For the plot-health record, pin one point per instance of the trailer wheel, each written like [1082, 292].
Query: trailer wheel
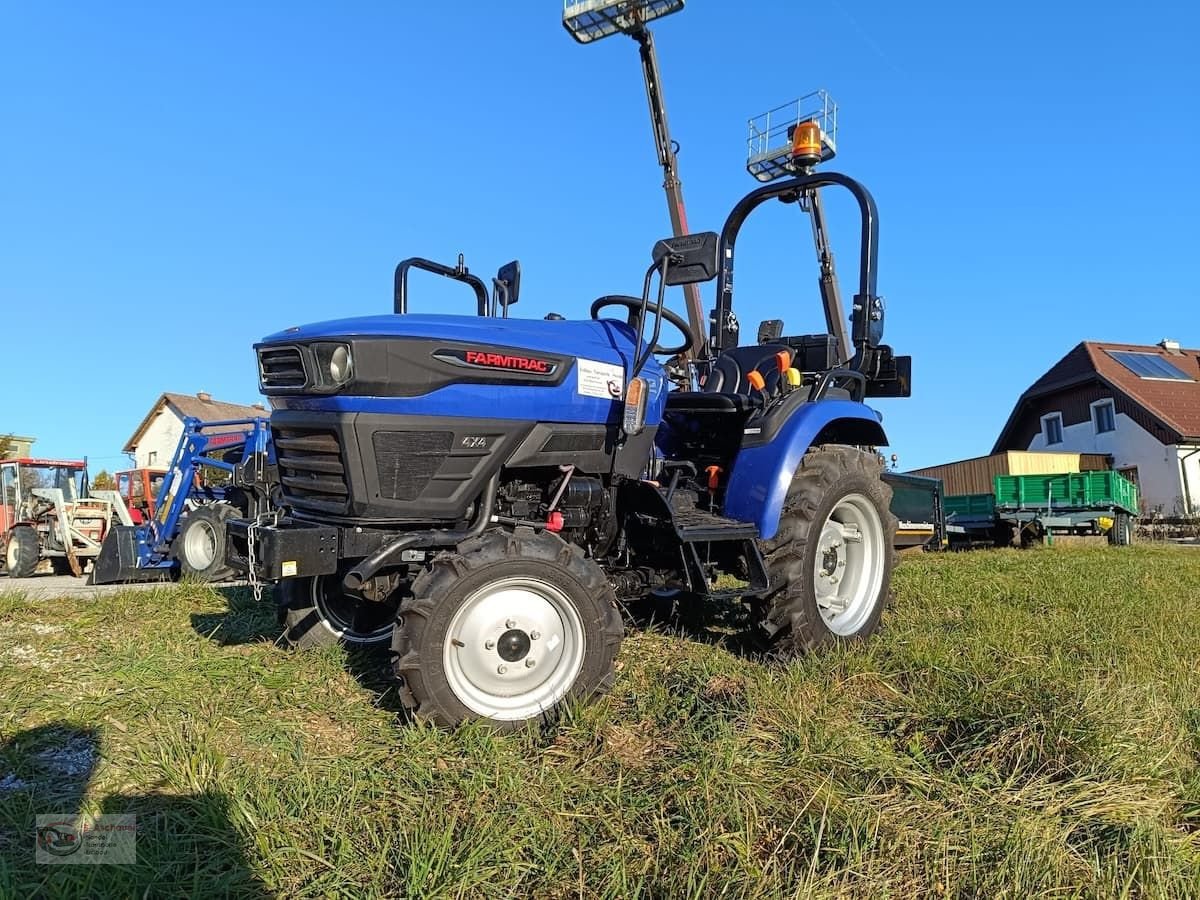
[1003, 535]
[200, 545]
[1032, 535]
[1121, 533]
[22, 552]
[318, 612]
[831, 561]
[504, 630]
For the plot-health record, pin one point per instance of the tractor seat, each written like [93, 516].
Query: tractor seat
[726, 390]
[728, 375]
[708, 402]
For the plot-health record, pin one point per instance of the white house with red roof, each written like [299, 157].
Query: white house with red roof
[1139, 404]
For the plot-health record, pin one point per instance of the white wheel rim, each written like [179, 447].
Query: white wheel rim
[849, 566]
[514, 649]
[11, 554]
[200, 545]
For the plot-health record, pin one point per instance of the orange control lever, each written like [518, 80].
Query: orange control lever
[714, 477]
[783, 361]
[756, 380]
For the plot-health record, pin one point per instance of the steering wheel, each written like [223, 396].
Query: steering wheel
[634, 306]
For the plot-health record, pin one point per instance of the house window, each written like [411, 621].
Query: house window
[151, 457]
[1104, 416]
[1052, 428]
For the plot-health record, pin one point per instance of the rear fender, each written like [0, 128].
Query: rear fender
[761, 476]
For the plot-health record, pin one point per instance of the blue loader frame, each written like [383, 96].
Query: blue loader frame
[144, 551]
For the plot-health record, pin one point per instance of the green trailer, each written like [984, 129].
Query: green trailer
[1036, 507]
[1074, 490]
[970, 506]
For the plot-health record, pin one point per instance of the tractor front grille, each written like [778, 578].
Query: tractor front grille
[281, 367]
[406, 460]
[312, 470]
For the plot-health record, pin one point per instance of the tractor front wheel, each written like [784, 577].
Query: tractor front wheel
[200, 545]
[831, 560]
[22, 553]
[504, 630]
[319, 612]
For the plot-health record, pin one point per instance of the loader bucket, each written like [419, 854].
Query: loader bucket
[118, 559]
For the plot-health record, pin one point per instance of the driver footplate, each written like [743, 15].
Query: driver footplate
[698, 525]
[698, 530]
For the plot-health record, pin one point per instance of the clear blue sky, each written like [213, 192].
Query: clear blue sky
[177, 182]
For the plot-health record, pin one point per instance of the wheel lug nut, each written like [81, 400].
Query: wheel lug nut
[534, 635]
[501, 669]
[530, 663]
[510, 623]
[489, 645]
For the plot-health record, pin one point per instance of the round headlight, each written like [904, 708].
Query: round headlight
[339, 365]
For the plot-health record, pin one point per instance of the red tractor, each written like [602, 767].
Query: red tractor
[139, 489]
[46, 514]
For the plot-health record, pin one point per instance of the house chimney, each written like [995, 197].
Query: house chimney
[204, 396]
[1170, 346]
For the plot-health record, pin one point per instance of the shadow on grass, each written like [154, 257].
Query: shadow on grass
[246, 621]
[720, 623]
[186, 845]
[372, 669]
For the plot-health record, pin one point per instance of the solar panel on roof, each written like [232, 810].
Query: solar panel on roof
[1148, 365]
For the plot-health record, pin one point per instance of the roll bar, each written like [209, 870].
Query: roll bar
[867, 314]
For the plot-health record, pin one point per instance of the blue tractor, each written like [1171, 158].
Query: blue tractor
[221, 470]
[483, 494]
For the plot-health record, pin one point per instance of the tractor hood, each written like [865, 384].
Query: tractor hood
[529, 369]
[609, 340]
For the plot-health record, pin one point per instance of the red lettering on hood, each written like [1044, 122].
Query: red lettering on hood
[507, 361]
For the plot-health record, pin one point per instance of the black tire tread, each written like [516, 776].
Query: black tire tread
[29, 552]
[303, 624]
[217, 514]
[796, 623]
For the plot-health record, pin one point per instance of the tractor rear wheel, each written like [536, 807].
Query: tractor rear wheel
[22, 553]
[200, 545]
[504, 630]
[318, 612]
[831, 560]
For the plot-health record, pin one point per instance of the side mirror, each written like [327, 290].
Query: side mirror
[690, 258]
[510, 276]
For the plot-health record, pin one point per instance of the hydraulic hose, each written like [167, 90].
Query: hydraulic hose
[389, 554]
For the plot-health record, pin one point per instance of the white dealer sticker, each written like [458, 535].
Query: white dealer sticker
[598, 379]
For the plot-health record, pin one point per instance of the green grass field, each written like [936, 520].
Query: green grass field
[1027, 724]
